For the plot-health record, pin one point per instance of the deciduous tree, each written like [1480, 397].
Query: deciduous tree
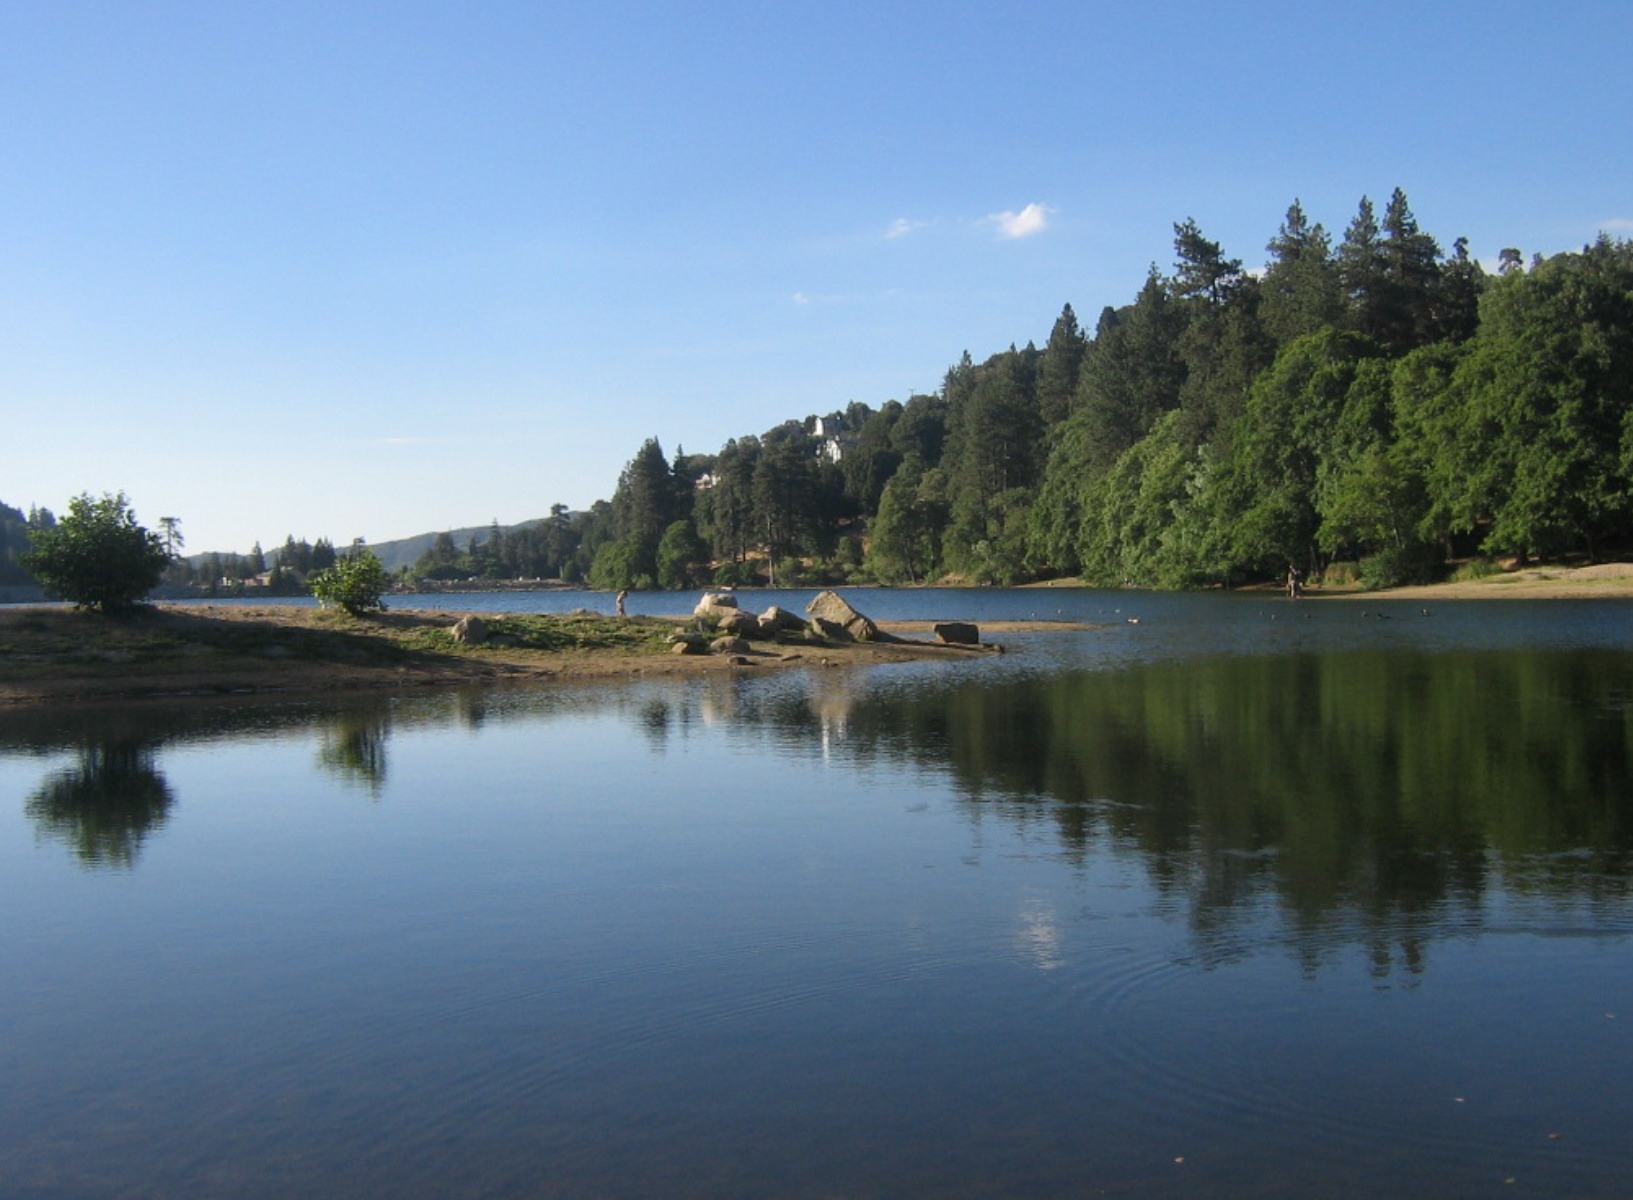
[97, 556]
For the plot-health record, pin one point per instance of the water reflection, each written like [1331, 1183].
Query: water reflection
[354, 746]
[1386, 790]
[1370, 795]
[1376, 798]
[105, 804]
[1324, 923]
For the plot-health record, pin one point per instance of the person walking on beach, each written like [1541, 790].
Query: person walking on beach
[1295, 579]
[623, 594]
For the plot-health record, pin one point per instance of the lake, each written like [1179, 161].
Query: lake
[1246, 899]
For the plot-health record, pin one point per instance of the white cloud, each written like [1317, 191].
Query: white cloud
[1030, 220]
[800, 298]
[901, 227]
[1617, 224]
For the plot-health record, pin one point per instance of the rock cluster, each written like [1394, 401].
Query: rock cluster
[734, 627]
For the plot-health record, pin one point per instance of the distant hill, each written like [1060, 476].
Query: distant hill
[405, 552]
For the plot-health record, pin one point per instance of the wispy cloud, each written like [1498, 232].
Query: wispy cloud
[901, 227]
[1617, 224]
[1032, 219]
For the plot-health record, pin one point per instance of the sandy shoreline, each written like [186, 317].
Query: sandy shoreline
[1599, 581]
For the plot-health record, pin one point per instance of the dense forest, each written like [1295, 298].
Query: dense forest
[1370, 408]
[14, 540]
[1374, 406]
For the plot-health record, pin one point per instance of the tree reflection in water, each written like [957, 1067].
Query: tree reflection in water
[105, 804]
[354, 747]
[1370, 798]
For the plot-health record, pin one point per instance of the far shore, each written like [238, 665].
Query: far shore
[1598, 581]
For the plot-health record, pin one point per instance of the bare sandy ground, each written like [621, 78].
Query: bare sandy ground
[1539, 583]
[1602, 580]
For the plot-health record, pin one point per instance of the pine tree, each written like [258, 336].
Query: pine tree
[1300, 293]
[1058, 369]
[1132, 373]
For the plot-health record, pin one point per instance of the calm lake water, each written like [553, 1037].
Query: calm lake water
[1249, 899]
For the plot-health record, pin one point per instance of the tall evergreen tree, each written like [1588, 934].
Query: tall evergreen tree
[1300, 292]
[1391, 276]
[921, 430]
[993, 463]
[644, 505]
[726, 510]
[1412, 274]
[1456, 314]
[785, 496]
[1362, 268]
[1223, 346]
[1058, 369]
[1132, 373]
[1202, 272]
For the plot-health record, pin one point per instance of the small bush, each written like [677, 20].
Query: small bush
[793, 573]
[355, 583]
[735, 574]
[1475, 568]
[1399, 565]
[1341, 574]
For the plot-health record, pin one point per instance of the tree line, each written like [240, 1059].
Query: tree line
[1371, 403]
[1368, 404]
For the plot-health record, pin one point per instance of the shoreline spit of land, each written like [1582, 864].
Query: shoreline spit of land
[52, 653]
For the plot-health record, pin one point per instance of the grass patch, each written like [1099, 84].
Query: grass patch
[1475, 568]
[632, 635]
[48, 643]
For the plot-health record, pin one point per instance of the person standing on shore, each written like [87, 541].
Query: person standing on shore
[623, 594]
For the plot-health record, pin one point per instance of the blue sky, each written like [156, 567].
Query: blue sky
[369, 269]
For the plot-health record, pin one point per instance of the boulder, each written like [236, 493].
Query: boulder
[831, 631]
[832, 608]
[470, 631]
[729, 645]
[712, 602]
[776, 620]
[738, 623]
[958, 633]
[684, 647]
